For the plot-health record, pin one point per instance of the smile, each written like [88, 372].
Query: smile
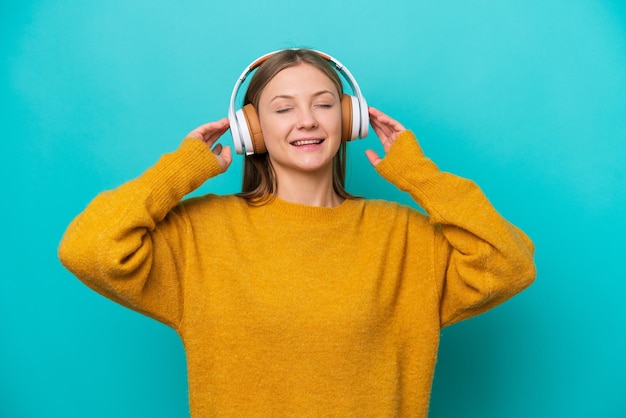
[302, 142]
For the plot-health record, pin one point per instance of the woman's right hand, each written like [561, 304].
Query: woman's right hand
[209, 133]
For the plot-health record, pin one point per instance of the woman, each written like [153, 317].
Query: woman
[294, 298]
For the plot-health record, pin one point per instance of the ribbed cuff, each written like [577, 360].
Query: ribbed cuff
[405, 163]
[179, 173]
[406, 166]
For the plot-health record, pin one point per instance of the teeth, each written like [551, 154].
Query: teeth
[307, 142]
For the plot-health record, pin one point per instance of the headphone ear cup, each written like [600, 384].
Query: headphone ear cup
[350, 118]
[254, 127]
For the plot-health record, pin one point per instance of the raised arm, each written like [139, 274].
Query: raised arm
[480, 258]
[129, 243]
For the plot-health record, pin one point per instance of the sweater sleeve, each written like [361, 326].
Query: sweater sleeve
[480, 259]
[120, 245]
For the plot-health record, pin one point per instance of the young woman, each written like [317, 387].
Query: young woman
[294, 298]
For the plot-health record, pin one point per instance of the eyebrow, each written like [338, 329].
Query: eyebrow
[287, 96]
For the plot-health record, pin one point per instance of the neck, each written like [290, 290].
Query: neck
[309, 190]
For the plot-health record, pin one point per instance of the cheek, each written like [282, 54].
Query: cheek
[334, 123]
[270, 127]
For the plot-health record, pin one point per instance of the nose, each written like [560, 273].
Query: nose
[306, 119]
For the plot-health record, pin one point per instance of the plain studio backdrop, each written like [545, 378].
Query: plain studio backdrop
[526, 98]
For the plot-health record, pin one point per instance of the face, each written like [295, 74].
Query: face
[300, 115]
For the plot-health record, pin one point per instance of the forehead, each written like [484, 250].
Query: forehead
[299, 79]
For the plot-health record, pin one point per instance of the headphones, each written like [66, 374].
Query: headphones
[245, 127]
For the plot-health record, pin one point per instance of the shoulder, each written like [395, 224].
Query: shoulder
[386, 205]
[213, 202]
[386, 209]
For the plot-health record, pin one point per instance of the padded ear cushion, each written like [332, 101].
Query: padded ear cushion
[346, 118]
[254, 127]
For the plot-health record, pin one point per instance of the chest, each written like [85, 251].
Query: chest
[334, 286]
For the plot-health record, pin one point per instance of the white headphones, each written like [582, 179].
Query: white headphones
[245, 127]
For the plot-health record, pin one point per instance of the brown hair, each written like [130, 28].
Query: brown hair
[259, 179]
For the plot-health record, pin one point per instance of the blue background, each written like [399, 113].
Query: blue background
[526, 98]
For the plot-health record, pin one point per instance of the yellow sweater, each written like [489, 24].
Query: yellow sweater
[291, 310]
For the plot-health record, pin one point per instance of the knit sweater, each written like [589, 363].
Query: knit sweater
[292, 310]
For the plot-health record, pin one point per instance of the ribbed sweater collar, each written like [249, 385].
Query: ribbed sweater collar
[316, 214]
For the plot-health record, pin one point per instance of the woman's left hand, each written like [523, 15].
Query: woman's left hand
[387, 130]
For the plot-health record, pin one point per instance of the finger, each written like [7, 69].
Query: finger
[373, 158]
[390, 126]
[221, 124]
[383, 131]
[385, 120]
[226, 158]
[217, 149]
[385, 135]
[378, 115]
[215, 131]
[373, 112]
[209, 132]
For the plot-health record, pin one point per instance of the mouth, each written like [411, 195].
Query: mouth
[305, 142]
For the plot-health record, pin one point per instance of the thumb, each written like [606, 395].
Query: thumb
[227, 158]
[372, 157]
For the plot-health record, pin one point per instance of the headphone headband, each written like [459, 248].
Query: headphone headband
[239, 129]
